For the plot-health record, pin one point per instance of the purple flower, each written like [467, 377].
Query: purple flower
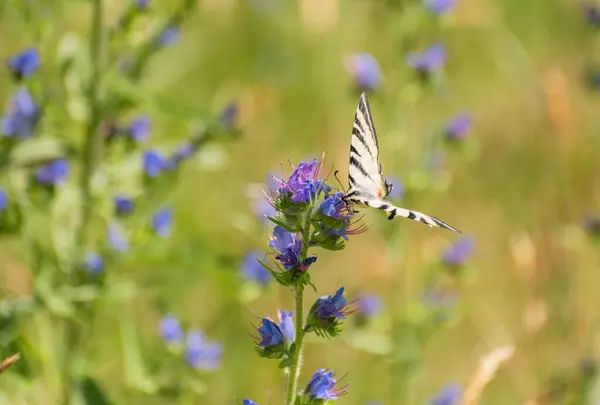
[429, 61]
[458, 127]
[335, 207]
[450, 395]
[170, 329]
[123, 205]
[184, 151]
[440, 6]
[248, 402]
[329, 306]
[322, 386]
[270, 334]
[288, 247]
[286, 324]
[139, 128]
[21, 116]
[397, 190]
[24, 64]
[202, 355]
[302, 185]
[591, 223]
[369, 304]
[591, 12]
[253, 271]
[116, 238]
[458, 253]
[93, 263]
[53, 173]
[3, 200]
[229, 115]
[142, 4]
[162, 222]
[169, 36]
[153, 163]
[365, 71]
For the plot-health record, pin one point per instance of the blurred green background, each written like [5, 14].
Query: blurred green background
[519, 184]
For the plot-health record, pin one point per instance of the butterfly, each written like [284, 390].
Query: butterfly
[367, 186]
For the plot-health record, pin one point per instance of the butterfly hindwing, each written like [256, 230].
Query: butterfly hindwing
[367, 185]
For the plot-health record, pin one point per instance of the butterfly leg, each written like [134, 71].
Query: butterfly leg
[392, 214]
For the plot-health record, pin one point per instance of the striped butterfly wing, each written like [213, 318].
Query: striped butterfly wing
[364, 171]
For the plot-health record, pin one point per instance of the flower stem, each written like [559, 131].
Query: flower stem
[292, 381]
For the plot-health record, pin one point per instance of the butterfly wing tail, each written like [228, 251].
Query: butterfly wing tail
[394, 211]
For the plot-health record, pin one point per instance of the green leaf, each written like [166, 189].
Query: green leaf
[91, 393]
[282, 224]
[33, 152]
[136, 374]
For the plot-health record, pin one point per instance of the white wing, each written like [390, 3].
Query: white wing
[364, 171]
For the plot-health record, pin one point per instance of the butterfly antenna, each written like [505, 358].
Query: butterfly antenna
[335, 174]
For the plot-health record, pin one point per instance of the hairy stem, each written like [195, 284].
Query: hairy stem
[295, 368]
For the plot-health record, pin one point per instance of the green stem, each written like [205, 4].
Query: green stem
[295, 368]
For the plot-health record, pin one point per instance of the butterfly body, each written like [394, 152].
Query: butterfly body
[367, 185]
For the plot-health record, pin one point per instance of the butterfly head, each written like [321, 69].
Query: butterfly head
[386, 190]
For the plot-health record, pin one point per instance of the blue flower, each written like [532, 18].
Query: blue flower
[184, 151]
[3, 200]
[123, 205]
[429, 61]
[139, 128]
[53, 173]
[253, 271]
[397, 190]
[322, 386]
[459, 252]
[24, 64]
[142, 4]
[229, 115]
[288, 245]
[169, 36]
[93, 263]
[162, 222]
[170, 329]
[335, 207]
[591, 223]
[369, 304]
[286, 324]
[331, 306]
[365, 71]
[270, 334]
[116, 238]
[591, 12]
[248, 402]
[153, 163]
[440, 6]
[21, 116]
[302, 185]
[450, 395]
[458, 127]
[202, 355]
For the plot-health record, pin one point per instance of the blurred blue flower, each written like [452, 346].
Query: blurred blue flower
[429, 61]
[153, 163]
[139, 128]
[53, 173]
[184, 151]
[440, 6]
[116, 238]
[93, 263]
[169, 36]
[142, 4]
[3, 200]
[123, 205]
[263, 208]
[229, 115]
[22, 115]
[438, 298]
[591, 12]
[270, 334]
[450, 395]
[369, 304]
[286, 324]
[591, 223]
[322, 386]
[162, 222]
[248, 402]
[253, 271]
[331, 306]
[202, 355]
[458, 127]
[459, 252]
[170, 329]
[288, 245]
[365, 71]
[397, 188]
[25, 63]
